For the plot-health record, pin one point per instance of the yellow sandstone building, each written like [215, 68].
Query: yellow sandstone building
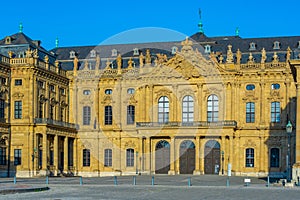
[204, 105]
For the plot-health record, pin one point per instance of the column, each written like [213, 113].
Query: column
[147, 155]
[228, 102]
[55, 148]
[202, 156]
[75, 156]
[200, 102]
[44, 156]
[197, 157]
[66, 154]
[223, 157]
[172, 157]
[230, 150]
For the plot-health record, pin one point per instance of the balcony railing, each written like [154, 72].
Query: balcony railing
[227, 123]
[54, 122]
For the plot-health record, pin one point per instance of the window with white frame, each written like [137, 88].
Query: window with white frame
[207, 49]
[130, 114]
[129, 157]
[250, 112]
[107, 157]
[188, 109]
[86, 158]
[212, 108]
[275, 112]
[163, 109]
[249, 157]
[108, 115]
[86, 115]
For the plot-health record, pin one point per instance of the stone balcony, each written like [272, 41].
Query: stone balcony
[48, 121]
[197, 124]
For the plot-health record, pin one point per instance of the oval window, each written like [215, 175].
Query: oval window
[86, 92]
[275, 86]
[130, 91]
[108, 91]
[250, 87]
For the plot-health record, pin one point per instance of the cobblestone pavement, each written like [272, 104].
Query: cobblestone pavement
[165, 187]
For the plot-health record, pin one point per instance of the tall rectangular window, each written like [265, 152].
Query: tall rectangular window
[41, 109]
[86, 115]
[51, 113]
[17, 156]
[107, 157]
[129, 157]
[18, 109]
[130, 114]
[2, 156]
[275, 112]
[108, 115]
[250, 157]
[86, 157]
[274, 157]
[250, 112]
[212, 108]
[2, 108]
[188, 109]
[163, 109]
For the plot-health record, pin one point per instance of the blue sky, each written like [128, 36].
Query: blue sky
[93, 22]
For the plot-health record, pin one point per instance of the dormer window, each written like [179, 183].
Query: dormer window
[114, 52]
[93, 54]
[72, 54]
[252, 46]
[276, 45]
[8, 40]
[174, 50]
[207, 49]
[135, 51]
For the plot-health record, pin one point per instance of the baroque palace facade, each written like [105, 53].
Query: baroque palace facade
[204, 105]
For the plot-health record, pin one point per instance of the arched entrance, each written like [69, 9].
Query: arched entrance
[162, 157]
[187, 157]
[212, 157]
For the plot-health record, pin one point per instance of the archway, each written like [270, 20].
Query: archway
[187, 157]
[162, 157]
[212, 157]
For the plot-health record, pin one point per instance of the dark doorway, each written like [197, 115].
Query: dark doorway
[187, 157]
[212, 157]
[162, 157]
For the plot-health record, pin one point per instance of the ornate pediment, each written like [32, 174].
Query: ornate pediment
[188, 63]
[250, 143]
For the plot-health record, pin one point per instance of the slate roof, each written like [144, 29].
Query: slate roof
[20, 43]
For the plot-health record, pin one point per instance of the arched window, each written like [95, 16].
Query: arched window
[188, 109]
[163, 109]
[274, 157]
[212, 108]
[129, 157]
[86, 115]
[130, 114]
[250, 112]
[275, 112]
[249, 157]
[107, 157]
[108, 115]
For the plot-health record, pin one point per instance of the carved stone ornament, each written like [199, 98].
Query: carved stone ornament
[18, 95]
[249, 143]
[130, 144]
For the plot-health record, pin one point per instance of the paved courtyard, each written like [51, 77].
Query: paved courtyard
[165, 187]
